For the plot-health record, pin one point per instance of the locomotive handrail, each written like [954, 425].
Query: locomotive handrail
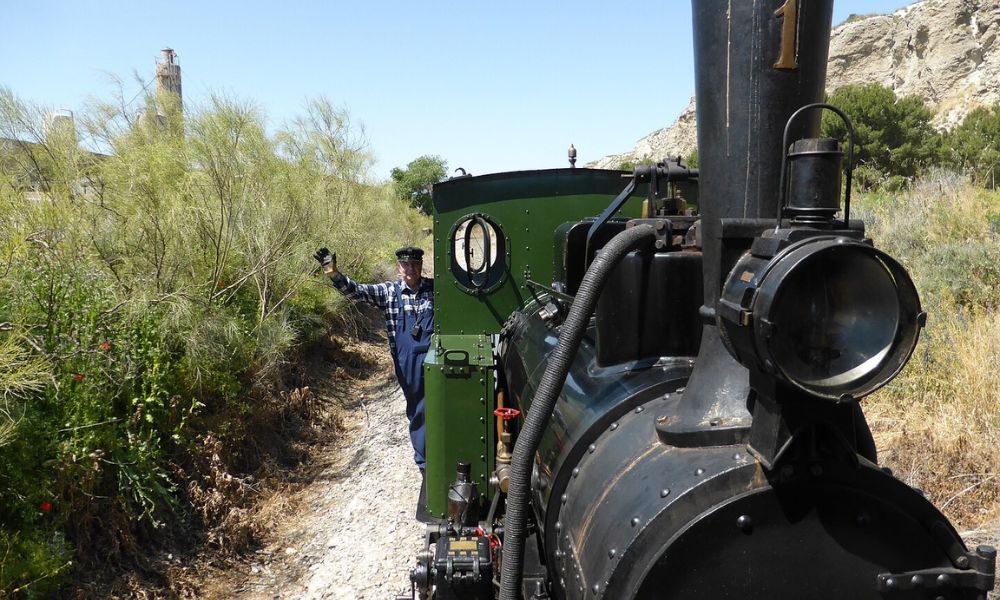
[551, 290]
[609, 212]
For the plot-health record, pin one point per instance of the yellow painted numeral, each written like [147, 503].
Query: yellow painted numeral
[789, 11]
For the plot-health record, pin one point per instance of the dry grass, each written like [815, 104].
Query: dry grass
[938, 424]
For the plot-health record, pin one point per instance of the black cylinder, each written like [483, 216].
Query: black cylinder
[756, 63]
[745, 96]
[814, 180]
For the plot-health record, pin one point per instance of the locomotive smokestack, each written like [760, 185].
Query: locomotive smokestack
[755, 64]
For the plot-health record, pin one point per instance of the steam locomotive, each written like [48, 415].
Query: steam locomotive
[647, 384]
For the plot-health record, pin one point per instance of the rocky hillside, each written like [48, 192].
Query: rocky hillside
[945, 51]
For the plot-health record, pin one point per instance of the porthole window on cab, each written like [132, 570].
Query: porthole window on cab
[478, 251]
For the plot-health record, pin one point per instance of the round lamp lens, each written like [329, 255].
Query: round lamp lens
[835, 320]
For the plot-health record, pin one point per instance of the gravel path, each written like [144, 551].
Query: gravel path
[355, 536]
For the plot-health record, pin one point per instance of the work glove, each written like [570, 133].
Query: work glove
[327, 260]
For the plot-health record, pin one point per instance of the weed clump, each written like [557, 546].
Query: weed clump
[938, 423]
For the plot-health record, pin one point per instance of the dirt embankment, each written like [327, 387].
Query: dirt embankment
[329, 513]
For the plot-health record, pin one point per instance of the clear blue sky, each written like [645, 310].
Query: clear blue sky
[488, 86]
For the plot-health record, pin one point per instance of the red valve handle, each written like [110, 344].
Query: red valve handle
[507, 413]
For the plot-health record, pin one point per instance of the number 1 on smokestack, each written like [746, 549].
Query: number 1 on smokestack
[789, 11]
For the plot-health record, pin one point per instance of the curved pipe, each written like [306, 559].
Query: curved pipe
[544, 401]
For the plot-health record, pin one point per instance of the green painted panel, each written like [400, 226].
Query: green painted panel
[459, 400]
[459, 371]
[527, 206]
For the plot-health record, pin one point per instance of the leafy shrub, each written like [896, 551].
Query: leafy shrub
[894, 137]
[149, 296]
[974, 146]
[413, 183]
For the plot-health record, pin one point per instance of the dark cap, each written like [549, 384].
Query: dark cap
[409, 253]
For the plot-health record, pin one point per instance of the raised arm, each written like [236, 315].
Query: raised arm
[376, 294]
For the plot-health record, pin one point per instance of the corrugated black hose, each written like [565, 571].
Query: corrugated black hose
[570, 335]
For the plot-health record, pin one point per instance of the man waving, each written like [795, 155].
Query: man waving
[407, 305]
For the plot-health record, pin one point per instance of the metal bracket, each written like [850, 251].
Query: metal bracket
[663, 228]
[980, 576]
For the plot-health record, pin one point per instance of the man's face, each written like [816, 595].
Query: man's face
[409, 270]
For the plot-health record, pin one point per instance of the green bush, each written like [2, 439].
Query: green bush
[974, 146]
[148, 296]
[413, 183]
[894, 138]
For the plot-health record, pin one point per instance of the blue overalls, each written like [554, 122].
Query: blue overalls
[409, 361]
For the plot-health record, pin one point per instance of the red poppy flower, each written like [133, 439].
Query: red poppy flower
[45, 506]
[78, 376]
[104, 346]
